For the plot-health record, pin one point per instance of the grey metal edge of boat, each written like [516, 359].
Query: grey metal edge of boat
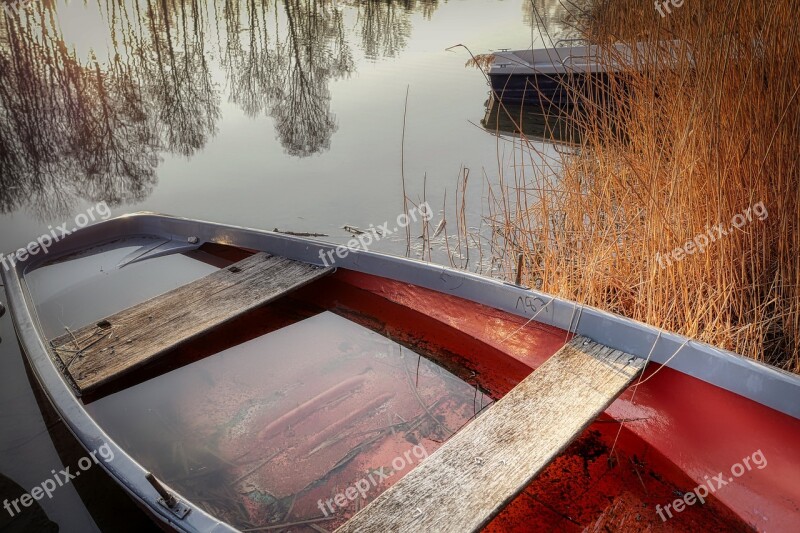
[586, 58]
[122, 467]
[763, 384]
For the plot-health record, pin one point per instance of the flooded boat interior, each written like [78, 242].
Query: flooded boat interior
[331, 390]
[259, 419]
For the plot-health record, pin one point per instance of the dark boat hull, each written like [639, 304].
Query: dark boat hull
[548, 90]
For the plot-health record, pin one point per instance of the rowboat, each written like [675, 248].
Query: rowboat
[238, 379]
[561, 77]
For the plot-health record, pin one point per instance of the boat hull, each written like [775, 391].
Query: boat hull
[547, 91]
[699, 414]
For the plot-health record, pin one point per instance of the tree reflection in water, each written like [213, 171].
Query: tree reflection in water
[66, 127]
[95, 128]
[557, 20]
[285, 66]
[386, 25]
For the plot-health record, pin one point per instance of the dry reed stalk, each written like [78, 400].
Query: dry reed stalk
[678, 150]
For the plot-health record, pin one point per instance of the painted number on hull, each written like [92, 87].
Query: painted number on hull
[530, 304]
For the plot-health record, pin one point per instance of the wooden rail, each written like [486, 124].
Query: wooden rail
[101, 352]
[467, 481]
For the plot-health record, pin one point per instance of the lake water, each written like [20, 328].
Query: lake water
[298, 115]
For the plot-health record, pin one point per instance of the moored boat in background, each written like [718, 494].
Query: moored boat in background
[565, 76]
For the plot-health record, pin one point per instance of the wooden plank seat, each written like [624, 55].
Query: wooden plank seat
[467, 481]
[99, 353]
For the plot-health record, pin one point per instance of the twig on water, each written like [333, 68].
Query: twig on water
[422, 403]
[403, 174]
[257, 467]
[300, 233]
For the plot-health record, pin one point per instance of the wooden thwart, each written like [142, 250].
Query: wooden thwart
[467, 481]
[99, 353]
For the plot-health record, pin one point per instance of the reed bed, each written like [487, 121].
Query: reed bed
[695, 136]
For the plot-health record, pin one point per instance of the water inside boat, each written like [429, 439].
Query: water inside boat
[264, 431]
[267, 428]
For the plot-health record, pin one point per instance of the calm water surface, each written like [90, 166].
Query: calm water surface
[285, 114]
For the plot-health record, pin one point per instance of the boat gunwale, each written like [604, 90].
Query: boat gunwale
[713, 365]
[589, 59]
[122, 467]
[765, 385]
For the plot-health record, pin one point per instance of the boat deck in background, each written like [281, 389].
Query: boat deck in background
[568, 76]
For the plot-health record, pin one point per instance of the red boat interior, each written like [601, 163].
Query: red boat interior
[303, 411]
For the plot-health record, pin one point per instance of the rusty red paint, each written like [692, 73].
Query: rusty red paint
[688, 429]
[678, 429]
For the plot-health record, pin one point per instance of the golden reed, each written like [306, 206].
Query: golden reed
[667, 152]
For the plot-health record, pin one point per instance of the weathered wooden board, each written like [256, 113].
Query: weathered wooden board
[467, 481]
[97, 354]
